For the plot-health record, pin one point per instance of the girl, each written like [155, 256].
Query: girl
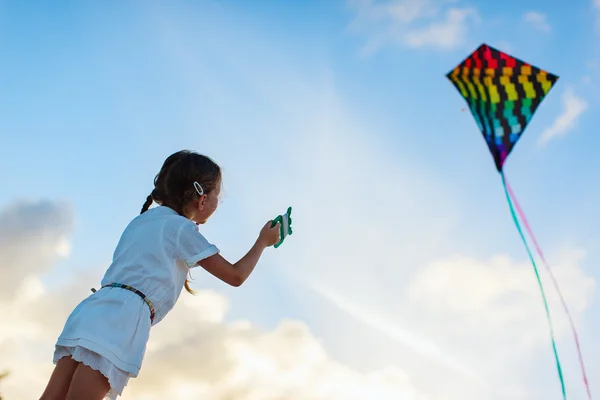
[104, 339]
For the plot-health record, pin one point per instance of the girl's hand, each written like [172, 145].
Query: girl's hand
[269, 236]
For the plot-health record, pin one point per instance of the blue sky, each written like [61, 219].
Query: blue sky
[340, 109]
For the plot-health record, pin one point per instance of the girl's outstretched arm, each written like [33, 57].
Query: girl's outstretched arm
[236, 274]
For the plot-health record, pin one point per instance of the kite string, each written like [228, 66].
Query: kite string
[564, 304]
[537, 275]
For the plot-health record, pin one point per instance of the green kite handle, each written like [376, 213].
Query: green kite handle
[285, 225]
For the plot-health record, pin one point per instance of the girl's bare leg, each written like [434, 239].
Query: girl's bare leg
[60, 380]
[88, 384]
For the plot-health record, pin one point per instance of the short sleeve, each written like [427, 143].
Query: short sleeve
[192, 246]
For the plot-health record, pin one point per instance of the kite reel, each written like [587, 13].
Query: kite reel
[285, 225]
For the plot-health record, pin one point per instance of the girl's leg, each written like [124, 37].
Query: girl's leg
[58, 386]
[88, 384]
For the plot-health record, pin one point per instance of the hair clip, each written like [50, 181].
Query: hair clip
[198, 188]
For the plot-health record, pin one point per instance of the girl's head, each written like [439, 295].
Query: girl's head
[189, 183]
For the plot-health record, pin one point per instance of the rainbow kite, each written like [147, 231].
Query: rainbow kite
[503, 93]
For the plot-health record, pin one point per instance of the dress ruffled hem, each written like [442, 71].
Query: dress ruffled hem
[117, 378]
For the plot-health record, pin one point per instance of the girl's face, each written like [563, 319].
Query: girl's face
[206, 205]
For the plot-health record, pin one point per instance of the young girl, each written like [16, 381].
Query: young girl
[104, 339]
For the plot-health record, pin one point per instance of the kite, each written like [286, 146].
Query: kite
[503, 93]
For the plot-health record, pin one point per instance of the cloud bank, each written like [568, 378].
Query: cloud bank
[412, 23]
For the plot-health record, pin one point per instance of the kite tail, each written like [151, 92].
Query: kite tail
[537, 275]
[564, 304]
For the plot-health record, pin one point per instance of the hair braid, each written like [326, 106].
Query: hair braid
[158, 194]
[147, 204]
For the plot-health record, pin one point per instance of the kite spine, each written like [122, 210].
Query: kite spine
[564, 304]
[539, 281]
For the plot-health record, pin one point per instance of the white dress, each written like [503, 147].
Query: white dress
[109, 329]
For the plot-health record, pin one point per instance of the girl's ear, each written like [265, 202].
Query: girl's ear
[200, 202]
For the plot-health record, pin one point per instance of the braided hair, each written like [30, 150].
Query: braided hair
[174, 183]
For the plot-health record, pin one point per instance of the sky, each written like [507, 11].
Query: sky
[405, 277]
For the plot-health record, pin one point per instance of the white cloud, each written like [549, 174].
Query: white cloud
[32, 236]
[500, 299]
[238, 361]
[412, 23]
[375, 320]
[538, 20]
[195, 354]
[409, 10]
[573, 107]
[446, 34]
[501, 293]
